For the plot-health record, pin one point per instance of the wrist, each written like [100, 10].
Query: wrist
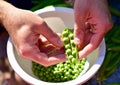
[5, 10]
[1, 16]
[2, 10]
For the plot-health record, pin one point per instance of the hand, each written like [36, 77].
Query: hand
[46, 47]
[96, 14]
[25, 28]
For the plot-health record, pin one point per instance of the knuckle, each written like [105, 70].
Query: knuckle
[46, 64]
[109, 25]
[39, 23]
[106, 26]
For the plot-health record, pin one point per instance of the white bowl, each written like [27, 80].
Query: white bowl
[57, 18]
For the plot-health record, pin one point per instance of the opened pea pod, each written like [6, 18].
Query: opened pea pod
[64, 71]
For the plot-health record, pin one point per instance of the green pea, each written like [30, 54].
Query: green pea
[74, 53]
[65, 34]
[68, 52]
[64, 71]
[70, 57]
[67, 46]
[66, 40]
[73, 60]
[72, 43]
[71, 36]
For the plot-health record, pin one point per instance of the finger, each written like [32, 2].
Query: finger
[99, 28]
[78, 36]
[43, 41]
[33, 53]
[79, 27]
[58, 59]
[51, 36]
[87, 35]
[94, 43]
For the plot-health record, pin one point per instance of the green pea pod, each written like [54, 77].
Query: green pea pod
[114, 11]
[101, 72]
[115, 48]
[114, 32]
[115, 58]
[45, 3]
[63, 5]
[115, 83]
[115, 40]
[115, 37]
[110, 64]
[111, 71]
[112, 57]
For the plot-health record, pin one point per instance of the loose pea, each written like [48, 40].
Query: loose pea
[70, 57]
[74, 53]
[73, 60]
[72, 43]
[66, 40]
[71, 36]
[68, 52]
[67, 46]
[64, 33]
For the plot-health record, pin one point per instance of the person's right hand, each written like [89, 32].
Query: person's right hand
[24, 28]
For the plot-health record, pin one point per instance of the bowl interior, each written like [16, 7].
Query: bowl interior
[57, 19]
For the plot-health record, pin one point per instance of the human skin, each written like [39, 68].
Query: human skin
[24, 28]
[96, 14]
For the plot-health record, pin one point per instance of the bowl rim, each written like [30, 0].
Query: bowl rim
[27, 77]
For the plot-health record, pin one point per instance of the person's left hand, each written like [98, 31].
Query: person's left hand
[98, 18]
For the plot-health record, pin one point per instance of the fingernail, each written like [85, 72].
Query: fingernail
[77, 41]
[60, 42]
